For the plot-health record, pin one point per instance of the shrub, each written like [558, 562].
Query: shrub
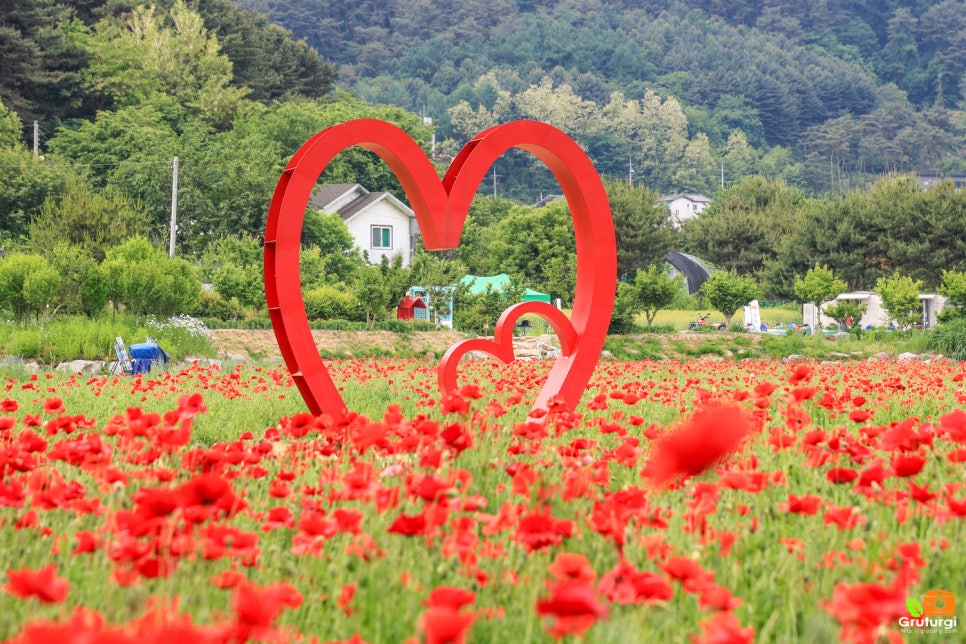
[949, 339]
[213, 305]
[331, 303]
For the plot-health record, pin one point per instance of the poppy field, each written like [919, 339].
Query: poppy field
[703, 501]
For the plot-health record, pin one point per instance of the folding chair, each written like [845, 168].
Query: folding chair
[123, 364]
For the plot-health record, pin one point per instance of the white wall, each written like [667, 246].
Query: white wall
[382, 213]
[874, 313]
[683, 209]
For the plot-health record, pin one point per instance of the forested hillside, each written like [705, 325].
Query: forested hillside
[825, 94]
[800, 122]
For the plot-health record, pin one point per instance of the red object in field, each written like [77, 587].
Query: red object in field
[411, 308]
[441, 208]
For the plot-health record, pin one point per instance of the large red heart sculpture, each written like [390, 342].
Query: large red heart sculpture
[441, 208]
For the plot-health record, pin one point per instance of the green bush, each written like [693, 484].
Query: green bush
[260, 321]
[25, 344]
[949, 339]
[212, 305]
[331, 303]
[632, 348]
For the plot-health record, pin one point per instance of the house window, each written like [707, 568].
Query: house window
[382, 236]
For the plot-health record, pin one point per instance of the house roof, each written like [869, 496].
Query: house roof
[410, 302]
[697, 198]
[329, 193]
[323, 197]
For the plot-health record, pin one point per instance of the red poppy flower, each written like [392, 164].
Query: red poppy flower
[844, 518]
[409, 525]
[624, 584]
[863, 608]
[907, 465]
[708, 436]
[44, 584]
[724, 628]
[805, 504]
[449, 597]
[259, 607]
[345, 598]
[572, 608]
[690, 573]
[572, 567]
[54, 405]
[443, 625]
[860, 415]
[841, 475]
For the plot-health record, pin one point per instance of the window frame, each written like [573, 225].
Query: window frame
[382, 236]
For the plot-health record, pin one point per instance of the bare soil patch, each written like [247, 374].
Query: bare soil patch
[261, 344]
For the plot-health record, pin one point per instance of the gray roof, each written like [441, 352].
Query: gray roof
[322, 196]
[360, 204]
[686, 195]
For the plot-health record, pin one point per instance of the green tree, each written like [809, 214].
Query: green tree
[953, 287]
[746, 225]
[845, 312]
[16, 273]
[900, 299]
[819, 285]
[655, 289]
[93, 220]
[11, 128]
[234, 266]
[83, 287]
[625, 310]
[726, 292]
[538, 244]
[156, 54]
[478, 313]
[643, 228]
[329, 233]
[41, 289]
[371, 289]
[145, 281]
[41, 74]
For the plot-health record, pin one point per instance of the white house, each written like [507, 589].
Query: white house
[874, 315]
[380, 224]
[684, 206]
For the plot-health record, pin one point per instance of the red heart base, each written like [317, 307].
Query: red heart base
[441, 208]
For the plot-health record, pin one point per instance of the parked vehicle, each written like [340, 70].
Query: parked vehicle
[705, 321]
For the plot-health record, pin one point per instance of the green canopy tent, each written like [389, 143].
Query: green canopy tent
[477, 285]
[530, 295]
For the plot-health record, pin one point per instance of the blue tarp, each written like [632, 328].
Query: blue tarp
[145, 354]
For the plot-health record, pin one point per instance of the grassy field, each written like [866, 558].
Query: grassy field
[686, 501]
[679, 319]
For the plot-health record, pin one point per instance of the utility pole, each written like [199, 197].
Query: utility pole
[630, 171]
[174, 205]
[722, 174]
[36, 138]
[495, 175]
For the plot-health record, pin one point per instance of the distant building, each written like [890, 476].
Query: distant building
[380, 224]
[874, 315]
[684, 206]
[929, 180]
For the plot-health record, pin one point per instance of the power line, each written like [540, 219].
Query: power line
[90, 165]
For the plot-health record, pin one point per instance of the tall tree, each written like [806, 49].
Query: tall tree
[644, 230]
[744, 227]
[96, 221]
[726, 292]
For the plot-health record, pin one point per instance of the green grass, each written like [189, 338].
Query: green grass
[79, 337]
[679, 319]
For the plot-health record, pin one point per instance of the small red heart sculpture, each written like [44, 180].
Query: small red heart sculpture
[441, 208]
